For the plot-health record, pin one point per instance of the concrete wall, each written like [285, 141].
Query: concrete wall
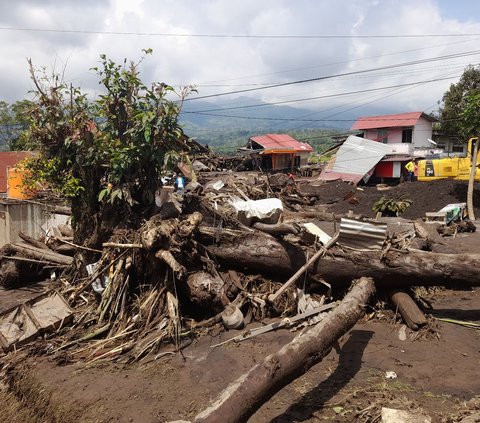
[30, 218]
[422, 131]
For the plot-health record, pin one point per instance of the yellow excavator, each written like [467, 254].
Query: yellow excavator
[449, 167]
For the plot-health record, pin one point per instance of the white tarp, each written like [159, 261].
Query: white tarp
[267, 210]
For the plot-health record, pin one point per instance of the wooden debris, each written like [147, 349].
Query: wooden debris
[246, 395]
[300, 271]
[413, 317]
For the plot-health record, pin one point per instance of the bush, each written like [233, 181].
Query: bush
[391, 206]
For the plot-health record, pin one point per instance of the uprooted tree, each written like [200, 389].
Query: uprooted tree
[106, 155]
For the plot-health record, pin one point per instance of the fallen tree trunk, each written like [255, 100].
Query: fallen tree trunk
[246, 395]
[256, 251]
[401, 268]
[41, 254]
[261, 252]
[277, 229]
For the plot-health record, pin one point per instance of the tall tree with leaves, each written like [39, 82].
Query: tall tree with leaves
[107, 156]
[454, 102]
[14, 125]
[471, 120]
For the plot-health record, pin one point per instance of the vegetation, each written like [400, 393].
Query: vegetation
[228, 141]
[391, 206]
[107, 155]
[14, 125]
[454, 102]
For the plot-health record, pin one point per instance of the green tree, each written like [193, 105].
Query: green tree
[454, 102]
[14, 125]
[107, 155]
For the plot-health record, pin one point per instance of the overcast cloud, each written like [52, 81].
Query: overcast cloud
[226, 64]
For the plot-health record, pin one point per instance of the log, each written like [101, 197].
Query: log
[277, 229]
[206, 291]
[400, 268]
[395, 268]
[41, 254]
[256, 251]
[239, 401]
[32, 241]
[408, 308]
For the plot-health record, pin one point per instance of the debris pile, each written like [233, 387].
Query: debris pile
[221, 253]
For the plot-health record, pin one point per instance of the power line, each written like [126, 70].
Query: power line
[318, 97]
[322, 78]
[253, 36]
[339, 62]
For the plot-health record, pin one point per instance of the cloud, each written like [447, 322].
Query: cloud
[229, 64]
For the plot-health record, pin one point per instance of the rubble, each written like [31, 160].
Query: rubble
[228, 252]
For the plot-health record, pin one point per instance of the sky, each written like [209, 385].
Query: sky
[328, 56]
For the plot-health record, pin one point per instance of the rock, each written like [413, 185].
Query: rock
[232, 317]
[390, 415]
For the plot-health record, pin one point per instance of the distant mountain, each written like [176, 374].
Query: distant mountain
[203, 114]
[226, 130]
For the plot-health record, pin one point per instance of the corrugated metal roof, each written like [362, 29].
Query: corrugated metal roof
[355, 158]
[365, 235]
[390, 121]
[398, 158]
[281, 142]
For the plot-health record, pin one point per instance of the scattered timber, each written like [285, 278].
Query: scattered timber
[239, 401]
[41, 254]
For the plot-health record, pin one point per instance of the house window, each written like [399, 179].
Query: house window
[458, 148]
[407, 135]
[382, 135]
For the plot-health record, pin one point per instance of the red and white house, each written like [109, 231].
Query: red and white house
[407, 134]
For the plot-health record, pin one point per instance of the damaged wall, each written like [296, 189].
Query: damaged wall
[32, 219]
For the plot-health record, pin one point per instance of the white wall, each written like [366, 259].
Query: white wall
[421, 133]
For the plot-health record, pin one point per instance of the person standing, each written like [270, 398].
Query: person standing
[180, 184]
[410, 167]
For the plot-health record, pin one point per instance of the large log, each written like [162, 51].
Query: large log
[261, 252]
[401, 268]
[245, 396]
[256, 251]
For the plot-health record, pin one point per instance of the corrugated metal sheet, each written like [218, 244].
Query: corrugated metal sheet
[281, 142]
[363, 235]
[355, 159]
[398, 158]
[390, 121]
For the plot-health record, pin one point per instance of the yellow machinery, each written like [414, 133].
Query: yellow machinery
[449, 167]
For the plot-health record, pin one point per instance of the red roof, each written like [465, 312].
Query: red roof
[281, 142]
[390, 121]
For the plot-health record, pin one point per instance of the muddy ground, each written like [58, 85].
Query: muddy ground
[436, 369]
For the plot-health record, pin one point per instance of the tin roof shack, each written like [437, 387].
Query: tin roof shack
[277, 151]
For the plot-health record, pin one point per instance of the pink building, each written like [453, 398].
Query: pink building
[414, 129]
[407, 134]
